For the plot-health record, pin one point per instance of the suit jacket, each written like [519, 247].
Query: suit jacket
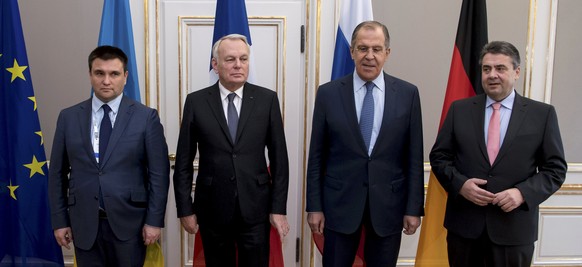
[133, 175]
[530, 159]
[341, 176]
[230, 172]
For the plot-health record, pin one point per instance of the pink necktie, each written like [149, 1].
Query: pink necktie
[493, 133]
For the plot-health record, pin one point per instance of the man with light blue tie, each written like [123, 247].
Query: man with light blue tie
[365, 165]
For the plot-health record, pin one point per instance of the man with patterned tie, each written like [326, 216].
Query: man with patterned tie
[365, 165]
[498, 155]
[109, 171]
[238, 193]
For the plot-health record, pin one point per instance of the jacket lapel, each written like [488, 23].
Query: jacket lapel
[389, 109]
[215, 104]
[348, 101]
[478, 117]
[248, 104]
[86, 124]
[126, 108]
[518, 115]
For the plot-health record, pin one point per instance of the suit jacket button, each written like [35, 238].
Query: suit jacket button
[233, 156]
[232, 178]
[100, 173]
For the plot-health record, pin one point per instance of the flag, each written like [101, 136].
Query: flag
[464, 81]
[353, 12]
[25, 229]
[231, 17]
[116, 30]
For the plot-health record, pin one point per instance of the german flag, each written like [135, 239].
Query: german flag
[464, 81]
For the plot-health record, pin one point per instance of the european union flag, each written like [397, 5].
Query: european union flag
[26, 237]
[116, 30]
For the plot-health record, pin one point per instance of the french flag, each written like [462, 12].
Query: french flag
[353, 12]
[231, 17]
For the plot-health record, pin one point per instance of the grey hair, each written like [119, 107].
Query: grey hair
[233, 36]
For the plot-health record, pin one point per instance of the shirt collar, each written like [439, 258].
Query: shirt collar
[225, 92]
[378, 82]
[506, 102]
[96, 103]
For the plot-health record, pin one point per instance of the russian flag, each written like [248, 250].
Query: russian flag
[231, 17]
[353, 12]
[116, 30]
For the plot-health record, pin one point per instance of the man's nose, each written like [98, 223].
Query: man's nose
[106, 79]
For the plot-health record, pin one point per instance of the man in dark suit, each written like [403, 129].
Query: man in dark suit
[360, 175]
[109, 171]
[498, 155]
[237, 191]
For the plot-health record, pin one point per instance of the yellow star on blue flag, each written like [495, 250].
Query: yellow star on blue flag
[35, 166]
[12, 189]
[17, 71]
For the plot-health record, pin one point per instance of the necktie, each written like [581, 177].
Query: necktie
[232, 117]
[493, 134]
[367, 115]
[104, 134]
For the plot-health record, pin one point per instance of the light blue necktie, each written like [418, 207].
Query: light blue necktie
[367, 115]
[232, 117]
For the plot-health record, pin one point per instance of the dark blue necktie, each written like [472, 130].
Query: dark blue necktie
[104, 134]
[232, 117]
[367, 115]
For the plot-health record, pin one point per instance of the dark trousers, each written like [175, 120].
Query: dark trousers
[109, 251]
[339, 250]
[221, 243]
[482, 252]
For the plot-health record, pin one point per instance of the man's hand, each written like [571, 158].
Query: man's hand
[190, 223]
[411, 223]
[64, 236]
[472, 192]
[280, 223]
[508, 199]
[150, 234]
[316, 222]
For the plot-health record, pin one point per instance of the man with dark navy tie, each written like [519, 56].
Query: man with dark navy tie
[239, 194]
[365, 164]
[498, 155]
[109, 171]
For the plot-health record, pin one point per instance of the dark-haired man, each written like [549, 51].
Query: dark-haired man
[365, 159]
[498, 155]
[109, 171]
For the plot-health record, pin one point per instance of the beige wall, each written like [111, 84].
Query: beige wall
[567, 80]
[59, 35]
